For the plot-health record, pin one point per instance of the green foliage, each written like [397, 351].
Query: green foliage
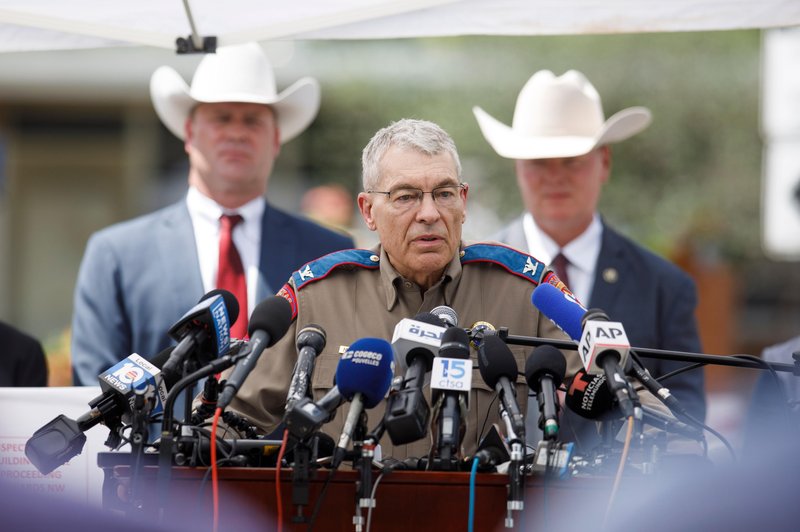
[694, 173]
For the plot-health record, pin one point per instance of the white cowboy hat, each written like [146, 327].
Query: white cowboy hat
[238, 73]
[559, 117]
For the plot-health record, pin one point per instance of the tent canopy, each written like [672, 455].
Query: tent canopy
[54, 24]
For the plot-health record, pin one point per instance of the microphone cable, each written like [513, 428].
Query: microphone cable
[214, 471]
[618, 477]
[472, 475]
[383, 473]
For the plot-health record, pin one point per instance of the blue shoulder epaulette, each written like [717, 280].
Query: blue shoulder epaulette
[515, 262]
[321, 267]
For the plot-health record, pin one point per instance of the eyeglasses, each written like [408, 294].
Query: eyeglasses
[405, 198]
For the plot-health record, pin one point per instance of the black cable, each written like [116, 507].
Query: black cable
[485, 419]
[318, 504]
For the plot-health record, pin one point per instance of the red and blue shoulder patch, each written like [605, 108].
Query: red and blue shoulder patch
[323, 266]
[512, 260]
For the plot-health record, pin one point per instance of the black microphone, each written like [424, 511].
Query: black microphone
[589, 397]
[457, 370]
[310, 343]
[544, 373]
[407, 411]
[58, 441]
[656, 388]
[499, 370]
[205, 328]
[269, 322]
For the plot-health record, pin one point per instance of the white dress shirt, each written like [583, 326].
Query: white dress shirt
[205, 214]
[582, 253]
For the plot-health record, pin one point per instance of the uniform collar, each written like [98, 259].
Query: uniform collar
[392, 282]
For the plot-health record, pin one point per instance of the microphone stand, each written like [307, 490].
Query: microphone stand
[364, 452]
[300, 479]
[142, 405]
[516, 471]
[660, 354]
[166, 445]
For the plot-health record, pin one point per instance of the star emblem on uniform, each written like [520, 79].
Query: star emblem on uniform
[529, 267]
[306, 273]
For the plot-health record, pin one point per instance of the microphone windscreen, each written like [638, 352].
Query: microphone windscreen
[446, 314]
[273, 315]
[545, 360]
[367, 368]
[589, 396]
[561, 308]
[496, 360]
[231, 303]
[430, 319]
[455, 343]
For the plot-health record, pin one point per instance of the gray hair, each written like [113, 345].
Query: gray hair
[421, 135]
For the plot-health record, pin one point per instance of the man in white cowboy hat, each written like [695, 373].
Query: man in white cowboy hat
[560, 143]
[139, 277]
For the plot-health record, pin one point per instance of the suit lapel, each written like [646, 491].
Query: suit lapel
[278, 249]
[177, 258]
[610, 272]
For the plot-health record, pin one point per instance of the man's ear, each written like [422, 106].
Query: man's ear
[187, 133]
[365, 206]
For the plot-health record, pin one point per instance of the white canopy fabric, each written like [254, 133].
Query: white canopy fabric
[55, 24]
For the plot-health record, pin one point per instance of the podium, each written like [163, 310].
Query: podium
[405, 500]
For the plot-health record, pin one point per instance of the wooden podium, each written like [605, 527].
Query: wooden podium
[405, 500]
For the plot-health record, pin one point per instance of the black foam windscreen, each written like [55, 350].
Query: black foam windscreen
[430, 319]
[455, 343]
[496, 360]
[545, 360]
[274, 316]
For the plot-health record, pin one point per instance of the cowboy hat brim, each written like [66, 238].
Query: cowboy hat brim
[295, 107]
[512, 145]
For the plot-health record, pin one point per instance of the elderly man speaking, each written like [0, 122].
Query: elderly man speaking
[415, 199]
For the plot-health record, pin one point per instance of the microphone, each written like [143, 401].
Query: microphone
[544, 373]
[60, 440]
[206, 327]
[269, 322]
[407, 411]
[561, 308]
[447, 315]
[305, 417]
[499, 370]
[588, 396]
[310, 343]
[655, 387]
[603, 345]
[451, 373]
[363, 376]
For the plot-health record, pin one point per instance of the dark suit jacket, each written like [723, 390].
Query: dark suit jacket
[139, 277]
[23, 359]
[652, 298]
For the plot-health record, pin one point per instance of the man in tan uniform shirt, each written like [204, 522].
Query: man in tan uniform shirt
[415, 199]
